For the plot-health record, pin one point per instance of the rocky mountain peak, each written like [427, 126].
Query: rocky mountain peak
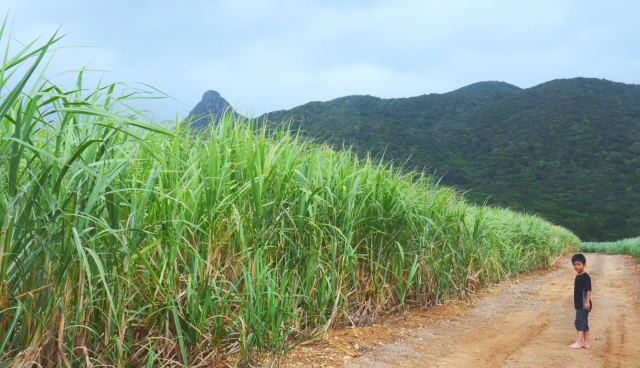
[211, 105]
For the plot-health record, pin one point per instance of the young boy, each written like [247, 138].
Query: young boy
[581, 301]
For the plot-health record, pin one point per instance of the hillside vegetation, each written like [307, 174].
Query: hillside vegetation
[401, 128]
[126, 244]
[568, 150]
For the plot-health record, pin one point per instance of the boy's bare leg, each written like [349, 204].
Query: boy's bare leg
[579, 340]
[585, 343]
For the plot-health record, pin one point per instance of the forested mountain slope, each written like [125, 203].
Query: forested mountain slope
[567, 149]
[399, 127]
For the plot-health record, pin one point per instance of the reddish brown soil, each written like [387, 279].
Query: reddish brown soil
[525, 323]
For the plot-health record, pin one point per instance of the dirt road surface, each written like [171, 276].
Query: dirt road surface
[525, 323]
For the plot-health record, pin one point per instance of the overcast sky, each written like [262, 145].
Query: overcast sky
[270, 55]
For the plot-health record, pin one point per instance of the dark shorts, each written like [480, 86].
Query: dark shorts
[582, 320]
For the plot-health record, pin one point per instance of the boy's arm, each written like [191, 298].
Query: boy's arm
[587, 305]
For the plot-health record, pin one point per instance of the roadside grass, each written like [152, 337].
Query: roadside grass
[124, 243]
[629, 246]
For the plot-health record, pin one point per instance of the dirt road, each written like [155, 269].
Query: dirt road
[523, 324]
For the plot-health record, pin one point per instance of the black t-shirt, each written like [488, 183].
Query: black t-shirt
[580, 288]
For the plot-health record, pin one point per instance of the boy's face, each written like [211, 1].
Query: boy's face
[579, 266]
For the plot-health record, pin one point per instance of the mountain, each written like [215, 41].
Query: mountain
[211, 105]
[399, 127]
[568, 149]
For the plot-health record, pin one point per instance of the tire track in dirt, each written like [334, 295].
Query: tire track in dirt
[525, 324]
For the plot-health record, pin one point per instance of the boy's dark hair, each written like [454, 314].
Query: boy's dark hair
[579, 257]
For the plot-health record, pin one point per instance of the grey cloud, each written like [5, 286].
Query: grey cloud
[268, 55]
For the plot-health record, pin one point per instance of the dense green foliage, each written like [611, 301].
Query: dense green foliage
[401, 128]
[568, 150]
[125, 244]
[629, 246]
